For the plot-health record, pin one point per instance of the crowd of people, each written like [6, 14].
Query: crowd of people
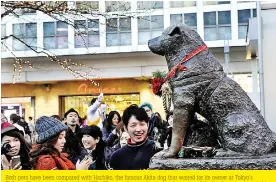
[97, 142]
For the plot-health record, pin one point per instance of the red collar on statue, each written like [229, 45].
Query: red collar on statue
[158, 82]
[181, 67]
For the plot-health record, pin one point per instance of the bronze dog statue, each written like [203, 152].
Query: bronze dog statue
[200, 85]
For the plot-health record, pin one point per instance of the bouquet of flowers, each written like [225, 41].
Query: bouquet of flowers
[157, 81]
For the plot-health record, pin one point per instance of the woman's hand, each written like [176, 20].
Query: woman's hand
[83, 165]
[114, 132]
[5, 163]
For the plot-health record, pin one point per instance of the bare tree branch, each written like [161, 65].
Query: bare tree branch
[60, 11]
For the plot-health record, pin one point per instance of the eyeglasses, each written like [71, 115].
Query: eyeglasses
[147, 110]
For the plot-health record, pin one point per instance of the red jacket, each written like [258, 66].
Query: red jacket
[54, 162]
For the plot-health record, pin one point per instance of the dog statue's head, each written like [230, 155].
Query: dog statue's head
[177, 39]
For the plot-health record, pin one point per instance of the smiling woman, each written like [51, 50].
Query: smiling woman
[94, 147]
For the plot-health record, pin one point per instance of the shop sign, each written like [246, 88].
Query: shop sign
[15, 100]
[85, 89]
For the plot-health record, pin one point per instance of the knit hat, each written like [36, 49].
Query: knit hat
[71, 110]
[6, 127]
[48, 127]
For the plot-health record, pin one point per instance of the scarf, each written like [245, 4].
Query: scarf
[62, 162]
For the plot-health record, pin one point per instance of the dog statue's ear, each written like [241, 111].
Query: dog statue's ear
[176, 30]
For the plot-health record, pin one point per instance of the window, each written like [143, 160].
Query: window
[243, 17]
[118, 31]
[111, 6]
[245, 1]
[217, 25]
[215, 2]
[26, 32]
[149, 27]
[146, 5]
[188, 19]
[3, 34]
[55, 35]
[87, 7]
[254, 13]
[180, 4]
[87, 33]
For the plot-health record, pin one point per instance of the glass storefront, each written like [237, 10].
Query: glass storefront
[23, 106]
[115, 102]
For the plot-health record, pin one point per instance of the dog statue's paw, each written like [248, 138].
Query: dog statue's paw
[164, 154]
[159, 155]
[169, 154]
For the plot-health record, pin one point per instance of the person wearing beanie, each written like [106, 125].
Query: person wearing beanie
[94, 147]
[47, 154]
[140, 149]
[14, 149]
[96, 112]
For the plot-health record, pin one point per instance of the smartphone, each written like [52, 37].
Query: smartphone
[15, 160]
[87, 157]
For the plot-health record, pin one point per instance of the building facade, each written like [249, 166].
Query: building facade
[265, 50]
[116, 48]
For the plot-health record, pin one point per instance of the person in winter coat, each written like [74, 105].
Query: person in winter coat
[110, 124]
[113, 137]
[72, 118]
[139, 149]
[155, 122]
[94, 147]
[122, 141]
[96, 112]
[47, 154]
[14, 149]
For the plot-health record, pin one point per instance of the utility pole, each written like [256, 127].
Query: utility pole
[226, 55]
[260, 59]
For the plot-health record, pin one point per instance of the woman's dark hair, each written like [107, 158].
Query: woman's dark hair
[158, 114]
[108, 121]
[98, 153]
[44, 149]
[93, 131]
[56, 116]
[138, 112]
[24, 149]
[14, 118]
[72, 145]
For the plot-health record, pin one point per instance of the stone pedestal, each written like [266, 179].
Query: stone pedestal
[219, 163]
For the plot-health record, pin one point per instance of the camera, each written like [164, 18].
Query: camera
[6, 147]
